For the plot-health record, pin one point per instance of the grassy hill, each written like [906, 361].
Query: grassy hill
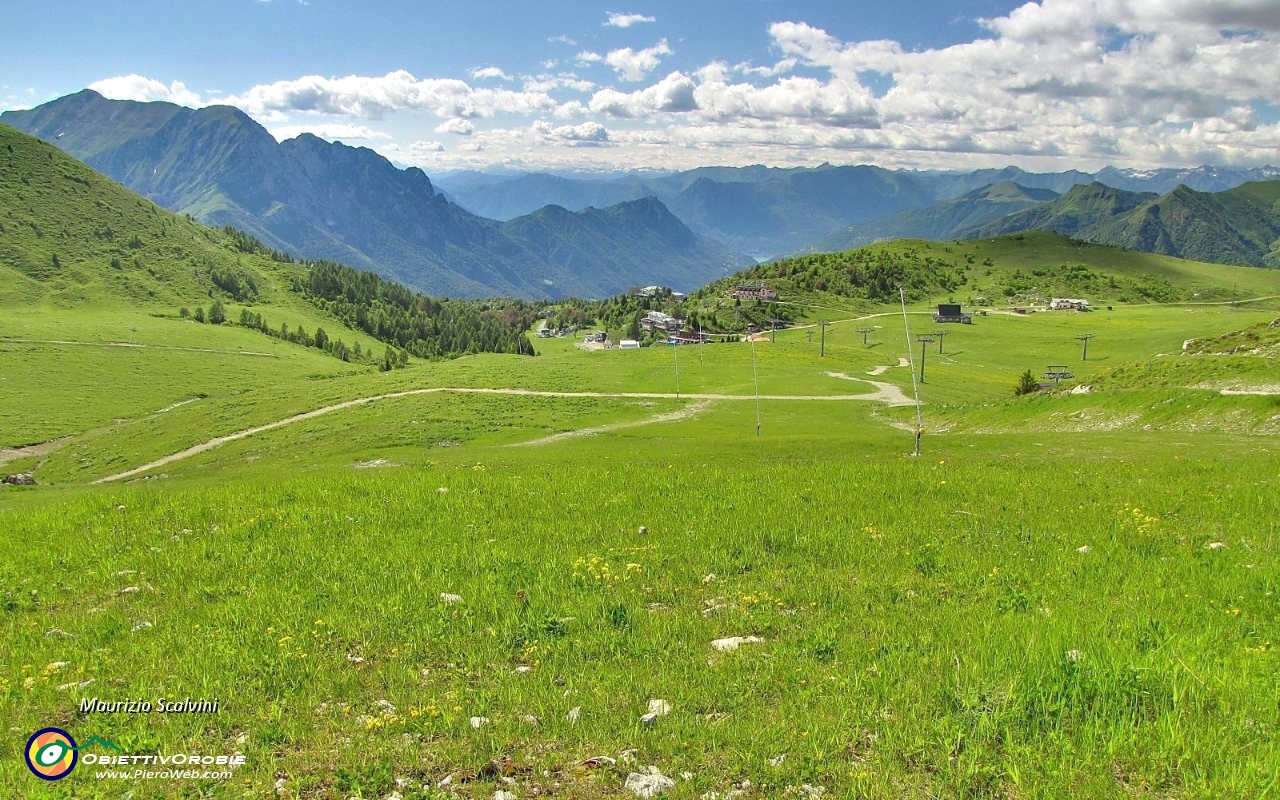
[1012, 270]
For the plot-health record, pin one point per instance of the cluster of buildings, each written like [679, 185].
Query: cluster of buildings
[754, 291]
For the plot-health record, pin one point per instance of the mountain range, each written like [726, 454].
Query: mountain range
[769, 211]
[535, 235]
[1238, 226]
[321, 200]
[940, 221]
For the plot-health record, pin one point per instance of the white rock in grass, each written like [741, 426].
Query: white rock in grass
[649, 783]
[573, 714]
[447, 780]
[1083, 549]
[385, 706]
[710, 577]
[442, 490]
[649, 719]
[479, 722]
[659, 708]
[643, 530]
[394, 796]
[776, 761]
[734, 642]
[530, 719]
[809, 790]
[503, 794]
[75, 685]
[129, 590]
[524, 669]
[57, 633]
[1217, 545]
[140, 626]
[1073, 655]
[450, 599]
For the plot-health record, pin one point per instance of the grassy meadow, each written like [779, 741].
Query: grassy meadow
[1067, 595]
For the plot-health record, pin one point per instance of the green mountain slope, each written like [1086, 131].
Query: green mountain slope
[70, 239]
[940, 221]
[1238, 226]
[1075, 211]
[324, 200]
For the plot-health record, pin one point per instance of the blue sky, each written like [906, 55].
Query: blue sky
[1052, 84]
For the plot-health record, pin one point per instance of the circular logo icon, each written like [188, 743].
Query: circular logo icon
[51, 753]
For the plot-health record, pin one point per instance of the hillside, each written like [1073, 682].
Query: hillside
[1070, 214]
[322, 200]
[72, 240]
[940, 221]
[1238, 226]
[1013, 270]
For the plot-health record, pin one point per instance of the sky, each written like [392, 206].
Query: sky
[1046, 85]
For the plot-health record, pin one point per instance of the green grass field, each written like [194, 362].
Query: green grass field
[930, 626]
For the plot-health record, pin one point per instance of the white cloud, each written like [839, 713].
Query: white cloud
[144, 90]
[673, 94]
[1053, 84]
[564, 80]
[633, 65]
[780, 68]
[461, 127]
[562, 39]
[330, 131]
[489, 72]
[587, 134]
[627, 20]
[372, 97]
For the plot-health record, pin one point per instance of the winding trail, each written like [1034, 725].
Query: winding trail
[885, 393]
[670, 416]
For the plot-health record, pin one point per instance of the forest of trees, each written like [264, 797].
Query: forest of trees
[423, 326]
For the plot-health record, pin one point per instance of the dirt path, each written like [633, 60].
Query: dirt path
[8, 454]
[137, 346]
[1261, 391]
[881, 369]
[885, 393]
[670, 416]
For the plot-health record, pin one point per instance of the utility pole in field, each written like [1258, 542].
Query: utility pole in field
[940, 334]
[1085, 337]
[822, 350]
[864, 332]
[924, 341]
